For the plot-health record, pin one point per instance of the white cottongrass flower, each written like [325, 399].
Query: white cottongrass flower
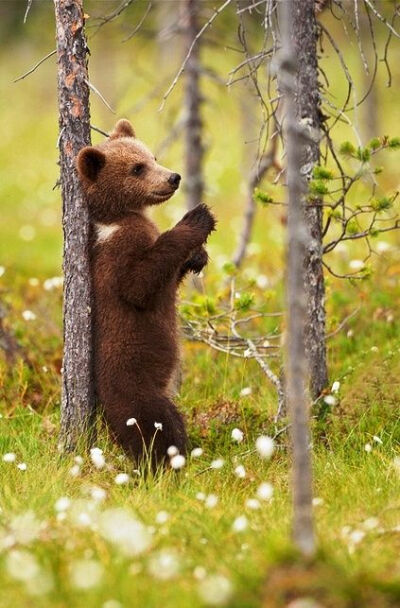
[246, 391]
[240, 524]
[371, 523]
[252, 503]
[317, 501]
[262, 281]
[265, 491]
[240, 471]
[164, 565]
[2, 270]
[53, 283]
[9, 457]
[356, 264]
[237, 435]
[158, 426]
[98, 494]
[22, 565]
[62, 504]
[125, 531]
[368, 448]
[172, 451]
[377, 439]
[199, 573]
[25, 527]
[374, 349]
[265, 446]
[335, 386]
[85, 573]
[75, 470]
[162, 517]
[396, 464]
[211, 501]
[200, 496]
[112, 604]
[330, 400]
[97, 458]
[131, 422]
[28, 315]
[178, 461]
[196, 452]
[218, 463]
[78, 459]
[33, 282]
[215, 590]
[22, 466]
[121, 479]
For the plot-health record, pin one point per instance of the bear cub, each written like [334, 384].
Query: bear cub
[135, 275]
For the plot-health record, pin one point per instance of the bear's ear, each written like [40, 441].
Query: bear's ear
[89, 162]
[123, 128]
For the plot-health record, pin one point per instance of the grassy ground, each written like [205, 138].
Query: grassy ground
[176, 540]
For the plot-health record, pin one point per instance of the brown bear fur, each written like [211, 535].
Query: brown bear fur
[135, 274]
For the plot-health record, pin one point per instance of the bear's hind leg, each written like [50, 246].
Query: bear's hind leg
[146, 428]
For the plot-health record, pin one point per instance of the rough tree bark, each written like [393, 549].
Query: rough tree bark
[77, 405]
[297, 143]
[307, 108]
[194, 151]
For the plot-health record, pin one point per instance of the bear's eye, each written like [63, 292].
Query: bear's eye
[138, 169]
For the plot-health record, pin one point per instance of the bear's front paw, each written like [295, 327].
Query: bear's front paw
[200, 219]
[197, 260]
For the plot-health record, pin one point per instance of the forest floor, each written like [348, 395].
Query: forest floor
[71, 536]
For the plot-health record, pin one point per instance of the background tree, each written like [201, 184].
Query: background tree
[77, 404]
[293, 73]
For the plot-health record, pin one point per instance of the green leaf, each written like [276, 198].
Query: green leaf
[347, 149]
[352, 227]
[375, 143]
[318, 187]
[322, 173]
[382, 204]
[262, 197]
[229, 268]
[244, 301]
[363, 154]
[394, 143]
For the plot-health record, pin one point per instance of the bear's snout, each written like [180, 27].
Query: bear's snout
[174, 180]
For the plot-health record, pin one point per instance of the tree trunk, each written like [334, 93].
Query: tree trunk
[193, 124]
[77, 405]
[307, 107]
[296, 140]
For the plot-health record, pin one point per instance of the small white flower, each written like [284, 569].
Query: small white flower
[22, 466]
[215, 590]
[78, 459]
[335, 386]
[98, 494]
[28, 315]
[374, 349]
[377, 439]
[240, 471]
[247, 353]
[199, 573]
[252, 503]
[265, 446]
[317, 501]
[240, 524]
[262, 281]
[97, 458]
[371, 523]
[356, 536]
[121, 479]
[178, 461]
[196, 453]
[162, 517]
[218, 463]
[131, 422]
[158, 426]
[246, 391]
[368, 448]
[265, 491]
[330, 400]
[62, 504]
[75, 470]
[86, 573]
[164, 565]
[9, 457]
[211, 501]
[356, 264]
[237, 435]
[2, 270]
[350, 333]
[172, 451]
[200, 496]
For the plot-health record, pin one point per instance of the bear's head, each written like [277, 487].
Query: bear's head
[121, 176]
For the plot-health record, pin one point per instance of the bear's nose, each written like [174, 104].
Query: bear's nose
[174, 179]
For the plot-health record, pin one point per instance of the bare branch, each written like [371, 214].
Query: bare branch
[35, 66]
[93, 88]
[28, 8]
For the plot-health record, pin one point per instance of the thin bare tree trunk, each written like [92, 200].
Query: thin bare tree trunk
[194, 151]
[296, 140]
[307, 108]
[77, 405]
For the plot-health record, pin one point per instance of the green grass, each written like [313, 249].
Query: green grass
[257, 564]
